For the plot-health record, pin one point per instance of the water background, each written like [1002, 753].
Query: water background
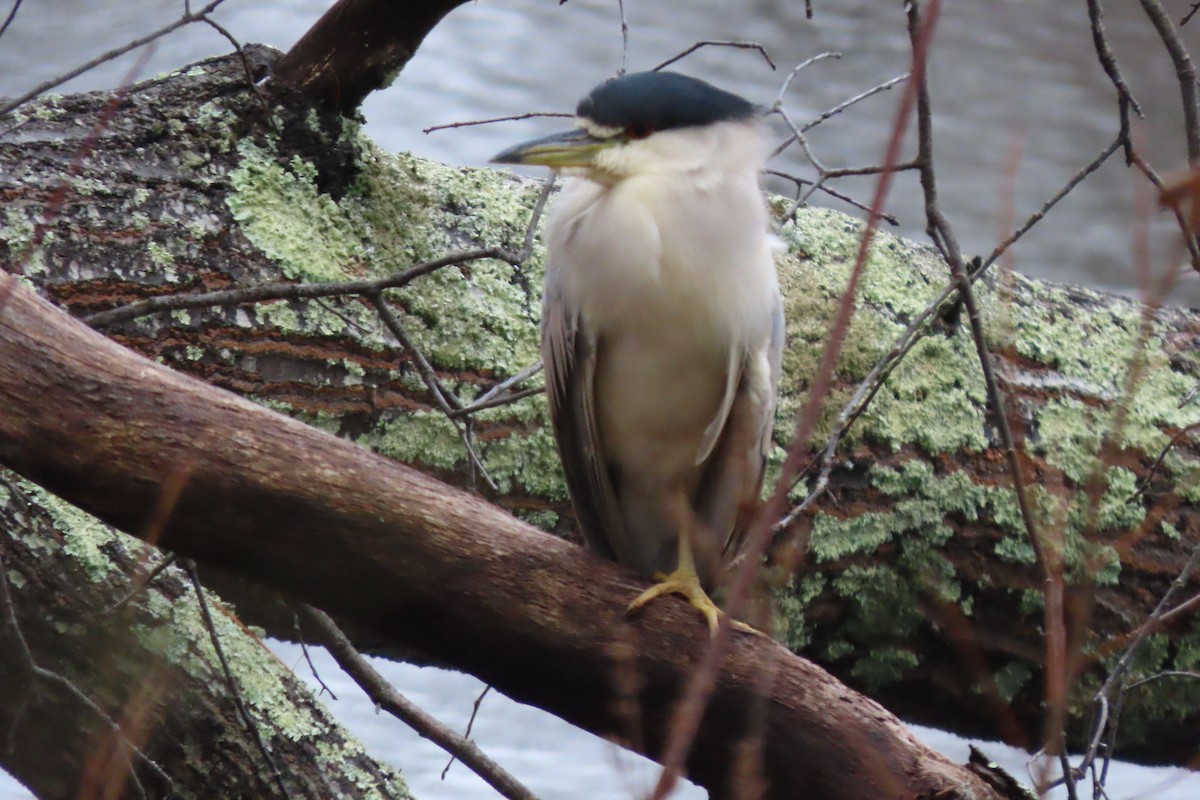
[1006, 76]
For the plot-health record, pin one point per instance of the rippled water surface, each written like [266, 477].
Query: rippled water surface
[1017, 91]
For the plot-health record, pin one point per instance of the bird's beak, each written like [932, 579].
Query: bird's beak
[573, 148]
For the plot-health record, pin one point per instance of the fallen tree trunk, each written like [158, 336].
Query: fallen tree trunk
[107, 682]
[920, 517]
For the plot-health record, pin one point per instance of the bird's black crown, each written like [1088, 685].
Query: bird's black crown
[659, 101]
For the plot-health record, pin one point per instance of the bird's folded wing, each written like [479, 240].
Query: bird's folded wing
[569, 352]
[733, 377]
[728, 494]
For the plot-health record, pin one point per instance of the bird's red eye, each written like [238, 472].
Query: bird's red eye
[638, 131]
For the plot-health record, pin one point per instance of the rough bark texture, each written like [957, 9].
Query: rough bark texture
[187, 189]
[404, 554]
[150, 667]
[357, 47]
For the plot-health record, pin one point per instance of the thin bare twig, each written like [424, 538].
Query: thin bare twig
[117, 52]
[290, 291]
[801, 182]
[839, 108]
[1185, 71]
[624, 41]
[824, 173]
[489, 121]
[1108, 62]
[299, 630]
[535, 218]
[787, 82]
[386, 697]
[938, 228]
[496, 402]
[504, 386]
[8, 614]
[1158, 676]
[1114, 684]
[1037, 216]
[1188, 89]
[445, 399]
[470, 725]
[858, 98]
[1048, 561]
[12, 14]
[140, 585]
[246, 69]
[1151, 624]
[189, 566]
[717, 43]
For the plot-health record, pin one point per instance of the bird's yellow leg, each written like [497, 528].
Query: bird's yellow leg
[684, 581]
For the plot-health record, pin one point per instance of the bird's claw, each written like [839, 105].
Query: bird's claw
[687, 584]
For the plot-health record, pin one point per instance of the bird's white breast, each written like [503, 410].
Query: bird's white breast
[672, 273]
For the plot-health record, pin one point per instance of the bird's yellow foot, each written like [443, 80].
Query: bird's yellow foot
[685, 582]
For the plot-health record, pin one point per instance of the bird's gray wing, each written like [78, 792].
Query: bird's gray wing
[775, 369]
[728, 493]
[569, 352]
[733, 376]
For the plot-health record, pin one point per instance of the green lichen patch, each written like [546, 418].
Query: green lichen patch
[883, 605]
[478, 317]
[282, 212]
[924, 502]
[883, 665]
[1011, 679]
[86, 537]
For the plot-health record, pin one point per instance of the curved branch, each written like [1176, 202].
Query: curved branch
[358, 46]
[416, 560]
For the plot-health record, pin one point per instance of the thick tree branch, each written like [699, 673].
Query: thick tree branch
[358, 46]
[321, 519]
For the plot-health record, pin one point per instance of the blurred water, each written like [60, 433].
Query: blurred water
[560, 762]
[1004, 73]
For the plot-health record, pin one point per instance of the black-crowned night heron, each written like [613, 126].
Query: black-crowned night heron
[662, 325]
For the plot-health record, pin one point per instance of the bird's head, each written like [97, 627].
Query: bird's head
[647, 123]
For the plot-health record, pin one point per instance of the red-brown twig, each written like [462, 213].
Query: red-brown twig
[691, 709]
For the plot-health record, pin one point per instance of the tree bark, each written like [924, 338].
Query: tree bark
[325, 521]
[189, 188]
[148, 666]
[358, 46]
